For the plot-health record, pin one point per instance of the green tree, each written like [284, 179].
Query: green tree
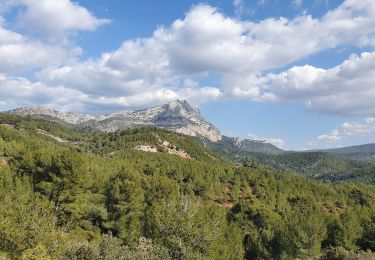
[126, 204]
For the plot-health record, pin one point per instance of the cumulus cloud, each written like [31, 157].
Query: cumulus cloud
[52, 20]
[135, 74]
[49, 25]
[349, 130]
[172, 56]
[336, 91]
[195, 96]
[205, 42]
[279, 142]
[282, 41]
[17, 91]
[19, 53]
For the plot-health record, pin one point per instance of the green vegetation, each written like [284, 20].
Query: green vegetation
[94, 196]
[316, 165]
[364, 152]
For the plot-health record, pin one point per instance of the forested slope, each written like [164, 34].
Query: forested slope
[70, 195]
[312, 164]
[364, 152]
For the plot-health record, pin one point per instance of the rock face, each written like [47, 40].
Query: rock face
[237, 144]
[259, 146]
[177, 115]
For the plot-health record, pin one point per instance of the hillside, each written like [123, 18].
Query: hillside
[315, 165]
[365, 152]
[129, 195]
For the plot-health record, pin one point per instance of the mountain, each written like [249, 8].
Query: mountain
[348, 163]
[177, 115]
[364, 152]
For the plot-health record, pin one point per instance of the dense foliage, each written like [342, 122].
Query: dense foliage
[364, 152]
[93, 196]
[314, 164]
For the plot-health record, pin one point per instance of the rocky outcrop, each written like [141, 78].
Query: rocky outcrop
[177, 115]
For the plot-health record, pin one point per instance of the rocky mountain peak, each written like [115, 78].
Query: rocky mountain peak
[177, 115]
[182, 107]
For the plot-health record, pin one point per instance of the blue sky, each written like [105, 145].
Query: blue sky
[297, 73]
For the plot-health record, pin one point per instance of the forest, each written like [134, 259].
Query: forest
[67, 194]
[312, 164]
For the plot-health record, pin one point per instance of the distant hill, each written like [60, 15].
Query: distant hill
[316, 165]
[364, 152]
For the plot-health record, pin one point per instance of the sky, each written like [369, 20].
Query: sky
[299, 74]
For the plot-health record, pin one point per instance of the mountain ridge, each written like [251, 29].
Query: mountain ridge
[181, 117]
[177, 115]
[362, 152]
[315, 165]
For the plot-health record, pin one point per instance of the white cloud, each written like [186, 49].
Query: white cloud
[52, 20]
[135, 74]
[19, 53]
[332, 137]
[347, 130]
[281, 41]
[19, 91]
[203, 43]
[347, 89]
[50, 23]
[279, 142]
[172, 56]
[194, 96]
[207, 41]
